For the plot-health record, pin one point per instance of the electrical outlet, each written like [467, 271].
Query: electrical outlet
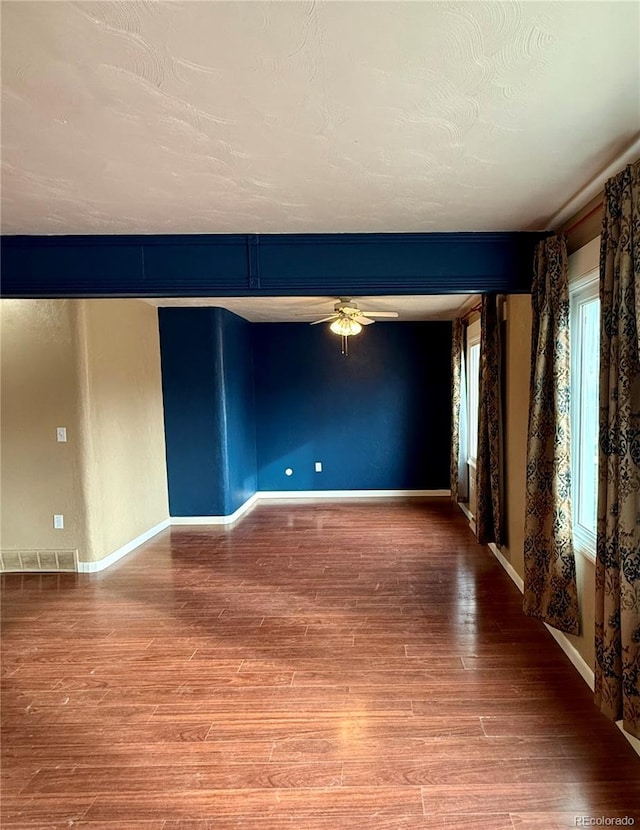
[58, 521]
[318, 466]
[61, 434]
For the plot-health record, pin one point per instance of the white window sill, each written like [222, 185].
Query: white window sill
[587, 554]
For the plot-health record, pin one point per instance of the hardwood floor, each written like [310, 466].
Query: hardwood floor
[315, 666]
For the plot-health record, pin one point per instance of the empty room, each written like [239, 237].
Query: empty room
[320, 415]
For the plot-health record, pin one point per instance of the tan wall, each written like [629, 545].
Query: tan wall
[517, 369]
[586, 578]
[125, 475]
[94, 367]
[584, 225]
[39, 392]
[518, 356]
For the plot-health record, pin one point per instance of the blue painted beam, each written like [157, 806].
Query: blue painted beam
[270, 265]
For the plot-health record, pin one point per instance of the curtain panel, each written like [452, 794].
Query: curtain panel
[458, 413]
[489, 462]
[617, 614]
[550, 591]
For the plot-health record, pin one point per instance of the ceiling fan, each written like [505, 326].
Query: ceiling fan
[348, 319]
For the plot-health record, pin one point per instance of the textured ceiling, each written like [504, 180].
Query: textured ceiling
[308, 309]
[259, 117]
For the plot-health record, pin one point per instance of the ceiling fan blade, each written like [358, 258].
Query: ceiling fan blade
[364, 321]
[324, 320]
[379, 313]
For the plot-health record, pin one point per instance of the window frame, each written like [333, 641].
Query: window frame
[582, 290]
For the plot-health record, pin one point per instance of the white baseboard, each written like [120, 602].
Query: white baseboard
[349, 494]
[217, 520]
[515, 576]
[635, 743]
[101, 564]
[585, 670]
[578, 661]
[466, 511]
[470, 516]
[289, 495]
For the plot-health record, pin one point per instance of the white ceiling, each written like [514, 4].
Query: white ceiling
[308, 309]
[270, 117]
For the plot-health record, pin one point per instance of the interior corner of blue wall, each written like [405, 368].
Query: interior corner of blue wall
[245, 402]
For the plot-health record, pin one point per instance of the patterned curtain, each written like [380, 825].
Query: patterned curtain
[617, 688]
[550, 591]
[489, 463]
[458, 414]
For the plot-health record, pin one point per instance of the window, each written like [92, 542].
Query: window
[473, 377]
[585, 362]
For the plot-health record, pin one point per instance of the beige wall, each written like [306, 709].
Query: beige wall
[517, 370]
[125, 477]
[518, 351]
[39, 476]
[584, 225]
[94, 367]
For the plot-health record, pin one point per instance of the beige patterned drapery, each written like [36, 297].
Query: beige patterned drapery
[550, 591]
[458, 413]
[617, 615]
[489, 471]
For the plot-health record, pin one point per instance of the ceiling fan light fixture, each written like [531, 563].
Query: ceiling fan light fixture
[345, 327]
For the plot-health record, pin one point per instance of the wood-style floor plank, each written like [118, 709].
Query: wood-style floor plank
[312, 667]
[300, 803]
[186, 777]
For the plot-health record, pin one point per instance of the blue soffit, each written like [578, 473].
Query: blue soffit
[226, 265]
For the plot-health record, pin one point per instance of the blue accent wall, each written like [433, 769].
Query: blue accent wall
[377, 419]
[238, 408]
[209, 411]
[243, 402]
